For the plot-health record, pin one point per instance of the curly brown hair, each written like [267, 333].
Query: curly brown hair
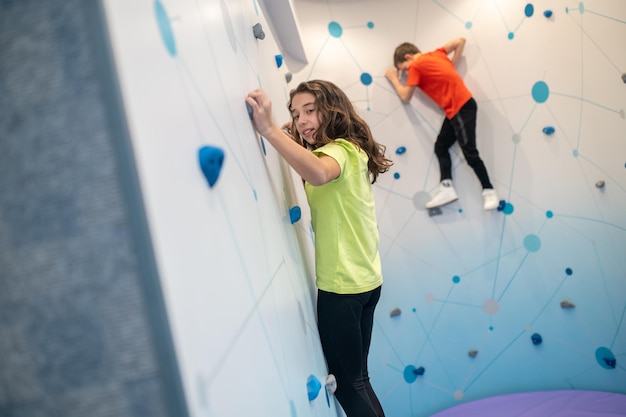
[339, 119]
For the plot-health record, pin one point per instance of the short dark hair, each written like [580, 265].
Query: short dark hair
[402, 50]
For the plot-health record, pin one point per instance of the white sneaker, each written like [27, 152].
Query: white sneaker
[490, 198]
[445, 195]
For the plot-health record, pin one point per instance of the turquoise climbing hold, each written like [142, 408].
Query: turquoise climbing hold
[279, 60]
[211, 159]
[313, 387]
[295, 214]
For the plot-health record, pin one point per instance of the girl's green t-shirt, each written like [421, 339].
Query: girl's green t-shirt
[347, 259]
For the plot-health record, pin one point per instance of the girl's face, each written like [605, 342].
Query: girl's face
[306, 116]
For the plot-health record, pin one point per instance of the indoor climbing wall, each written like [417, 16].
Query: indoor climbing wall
[232, 243]
[529, 297]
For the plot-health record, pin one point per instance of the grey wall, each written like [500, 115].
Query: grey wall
[79, 301]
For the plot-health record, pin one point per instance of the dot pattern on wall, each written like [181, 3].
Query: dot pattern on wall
[336, 31]
[476, 304]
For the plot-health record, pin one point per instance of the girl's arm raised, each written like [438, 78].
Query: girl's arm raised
[315, 170]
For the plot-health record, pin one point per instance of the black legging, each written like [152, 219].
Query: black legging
[345, 325]
[461, 128]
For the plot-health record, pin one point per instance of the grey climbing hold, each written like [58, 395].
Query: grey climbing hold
[435, 211]
[565, 304]
[624, 77]
[600, 184]
[258, 31]
[288, 77]
[472, 353]
[395, 312]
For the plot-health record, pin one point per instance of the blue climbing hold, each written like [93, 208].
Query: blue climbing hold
[313, 387]
[548, 13]
[419, 371]
[536, 338]
[250, 110]
[610, 362]
[279, 60]
[606, 358]
[327, 398]
[400, 150]
[211, 160]
[548, 130]
[501, 205]
[295, 214]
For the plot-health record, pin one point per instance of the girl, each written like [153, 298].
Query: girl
[334, 152]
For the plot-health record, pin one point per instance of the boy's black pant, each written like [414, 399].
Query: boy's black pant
[345, 323]
[461, 128]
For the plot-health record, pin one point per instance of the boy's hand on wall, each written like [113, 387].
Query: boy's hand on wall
[392, 74]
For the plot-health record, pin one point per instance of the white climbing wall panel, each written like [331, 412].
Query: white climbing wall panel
[235, 271]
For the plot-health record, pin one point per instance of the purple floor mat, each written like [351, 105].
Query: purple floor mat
[543, 404]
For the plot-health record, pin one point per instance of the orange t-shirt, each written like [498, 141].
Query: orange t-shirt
[435, 75]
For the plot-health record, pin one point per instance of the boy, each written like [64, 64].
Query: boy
[434, 73]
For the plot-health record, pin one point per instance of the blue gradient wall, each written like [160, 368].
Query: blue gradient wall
[468, 281]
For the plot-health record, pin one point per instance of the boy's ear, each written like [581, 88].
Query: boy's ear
[408, 57]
